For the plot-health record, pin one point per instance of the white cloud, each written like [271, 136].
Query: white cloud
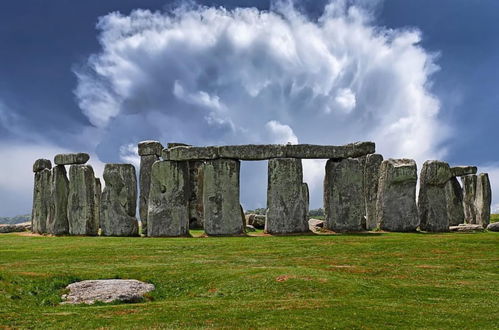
[206, 75]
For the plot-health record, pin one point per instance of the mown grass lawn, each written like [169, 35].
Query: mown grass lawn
[381, 280]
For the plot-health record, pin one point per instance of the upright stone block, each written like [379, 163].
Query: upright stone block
[41, 164]
[454, 197]
[119, 201]
[196, 208]
[168, 212]
[58, 223]
[396, 208]
[432, 202]
[469, 196]
[42, 197]
[81, 201]
[343, 195]
[483, 199]
[222, 213]
[371, 179]
[97, 199]
[287, 197]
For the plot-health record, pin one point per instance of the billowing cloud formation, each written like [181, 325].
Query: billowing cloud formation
[208, 75]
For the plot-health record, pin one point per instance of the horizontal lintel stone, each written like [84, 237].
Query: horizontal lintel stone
[269, 151]
[71, 159]
[463, 170]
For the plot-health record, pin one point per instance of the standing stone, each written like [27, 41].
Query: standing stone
[196, 208]
[41, 196]
[149, 152]
[119, 201]
[222, 213]
[168, 212]
[287, 197]
[483, 199]
[432, 201]
[371, 178]
[81, 201]
[469, 196]
[454, 196]
[343, 195]
[97, 199]
[57, 223]
[396, 208]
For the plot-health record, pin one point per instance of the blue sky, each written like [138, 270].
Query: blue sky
[53, 97]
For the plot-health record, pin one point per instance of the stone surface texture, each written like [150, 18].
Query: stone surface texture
[463, 170]
[315, 225]
[196, 208]
[57, 223]
[287, 197]
[344, 195]
[71, 159]
[483, 199]
[98, 199]
[146, 163]
[466, 227]
[222, 213]
[469, 195]
[82, 216]
[15, 228]
[454, 202]
[396, 208]
[42, 196]
[106, 291]
[262, 152]
[371, 179]
[119, 201]
[493, 226]
[256, 220]
[41, 164]
[168, 212]
[146, 148]
[432, 201]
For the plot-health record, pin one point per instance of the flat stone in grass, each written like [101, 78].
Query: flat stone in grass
[493, 226]
[466, 228]
[25, 226]
[92, 291]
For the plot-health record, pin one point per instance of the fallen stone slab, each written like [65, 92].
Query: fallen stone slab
[106, 291]
[146, 148]
[256, 220]
[269, 151]
[315, 225]
[493, 226]
[41, 164]
[71, 159]
[463, 170]
[19, 227]
[465, 227]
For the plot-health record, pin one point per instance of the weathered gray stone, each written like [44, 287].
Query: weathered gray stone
[222, 213]
[396, 208]
[463, 170]
[15, 228]
[466, 228]
[168, 213]
[119, 201]
[469, 195]
[493, 226]
[255, 220]
[57, 223]
[250, 228]
[98, 199]
[483, 199]
[371, 179]
[315, 225]
[432, 202]
[196, 208]
[41, 164]
[343, 195]
[71, 159]
[287, 197]
[106, 291]
[147, 148]
[146, 163]
[177, 144]
[41, 201]
[262, 152]
[454, 197]
[81, 201]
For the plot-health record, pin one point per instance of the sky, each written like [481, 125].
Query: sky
[419, 78]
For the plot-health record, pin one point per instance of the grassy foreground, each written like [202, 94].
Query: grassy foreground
[324, 281]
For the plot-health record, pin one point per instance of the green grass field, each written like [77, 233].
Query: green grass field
[381, 280]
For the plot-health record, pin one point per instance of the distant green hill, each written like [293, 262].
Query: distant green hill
[16, 219]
